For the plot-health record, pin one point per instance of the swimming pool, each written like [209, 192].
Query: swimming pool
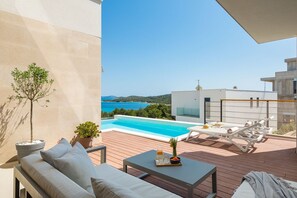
[147, 127]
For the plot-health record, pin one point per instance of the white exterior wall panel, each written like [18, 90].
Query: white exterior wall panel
[78, 15]
[240, 112]
[184, 99]
[234, 112]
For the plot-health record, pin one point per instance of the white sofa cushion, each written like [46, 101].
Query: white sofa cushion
[140, 187]
[77, 165]
[52, 181]
[57, 151]
[106, 188]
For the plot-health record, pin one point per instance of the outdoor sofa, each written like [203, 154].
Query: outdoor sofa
[41, 179]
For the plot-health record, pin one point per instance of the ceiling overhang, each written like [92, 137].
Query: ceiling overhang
[264, 20]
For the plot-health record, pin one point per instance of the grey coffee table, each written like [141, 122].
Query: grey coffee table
[189, 175]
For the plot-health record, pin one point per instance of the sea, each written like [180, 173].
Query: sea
[110, 106]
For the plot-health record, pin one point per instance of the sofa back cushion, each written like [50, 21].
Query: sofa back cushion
[77, 165]
[52, 181]
[57, 151]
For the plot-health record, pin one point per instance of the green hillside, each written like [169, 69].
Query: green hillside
[162, 99]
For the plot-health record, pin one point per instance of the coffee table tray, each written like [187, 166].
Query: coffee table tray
[161, 164]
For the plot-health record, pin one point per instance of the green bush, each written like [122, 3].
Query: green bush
[152, 111]
[87, 129]
[142, 113]
[285, 128]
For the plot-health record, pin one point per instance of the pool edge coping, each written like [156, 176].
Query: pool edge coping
[151, 136]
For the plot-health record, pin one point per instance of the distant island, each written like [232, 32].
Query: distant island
[162, 99]
[159, 106]
[108, 98]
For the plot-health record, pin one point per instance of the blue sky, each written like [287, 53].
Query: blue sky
[153, 47]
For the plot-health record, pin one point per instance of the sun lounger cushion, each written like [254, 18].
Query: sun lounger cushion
[52, 181]
[77, 165]
[106, 188]
[57, 151]
[143, 188]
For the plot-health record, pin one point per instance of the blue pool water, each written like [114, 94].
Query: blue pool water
[110, 106]
[153, 127]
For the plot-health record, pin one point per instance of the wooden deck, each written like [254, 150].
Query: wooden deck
[276, 156]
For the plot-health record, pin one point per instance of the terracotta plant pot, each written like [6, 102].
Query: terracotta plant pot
[86, 142]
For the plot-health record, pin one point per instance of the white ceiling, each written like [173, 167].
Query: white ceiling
[264, 20]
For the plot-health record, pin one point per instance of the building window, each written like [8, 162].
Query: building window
[279, 88]
[295, 86]
[207, 108]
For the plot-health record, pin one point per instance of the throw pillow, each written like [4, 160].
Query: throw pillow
[57, 151]
[77, 165]
[104, 188]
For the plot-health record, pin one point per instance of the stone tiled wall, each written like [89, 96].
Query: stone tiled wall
[74, 62]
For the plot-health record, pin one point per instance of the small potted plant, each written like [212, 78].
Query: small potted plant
[86, 132]
[30, 85]
[174, 159]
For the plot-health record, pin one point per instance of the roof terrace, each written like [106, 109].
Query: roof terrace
[276, 155]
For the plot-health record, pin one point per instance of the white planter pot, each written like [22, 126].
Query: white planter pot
[26, 148]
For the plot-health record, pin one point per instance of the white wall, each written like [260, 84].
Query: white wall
[79, 15]
[247, 94]
[235, 112]
[184, 99]
[240, 112]
[66, 54]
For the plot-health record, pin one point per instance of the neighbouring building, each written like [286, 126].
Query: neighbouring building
[285, 84]
[232, 105]
[65, 38]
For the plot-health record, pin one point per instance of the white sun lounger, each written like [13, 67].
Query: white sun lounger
[235, 133]
[260, 129]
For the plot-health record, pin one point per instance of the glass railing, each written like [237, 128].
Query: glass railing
[188, 112]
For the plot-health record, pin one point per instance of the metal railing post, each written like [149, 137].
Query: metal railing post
[267, 113]
[221, 110]
[296, 123]
[204, 111]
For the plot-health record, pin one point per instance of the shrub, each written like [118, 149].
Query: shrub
[87, 129]
[151, 111]
[285, 128]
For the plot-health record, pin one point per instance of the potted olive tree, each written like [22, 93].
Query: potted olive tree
[31, 85]
[86, 132]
